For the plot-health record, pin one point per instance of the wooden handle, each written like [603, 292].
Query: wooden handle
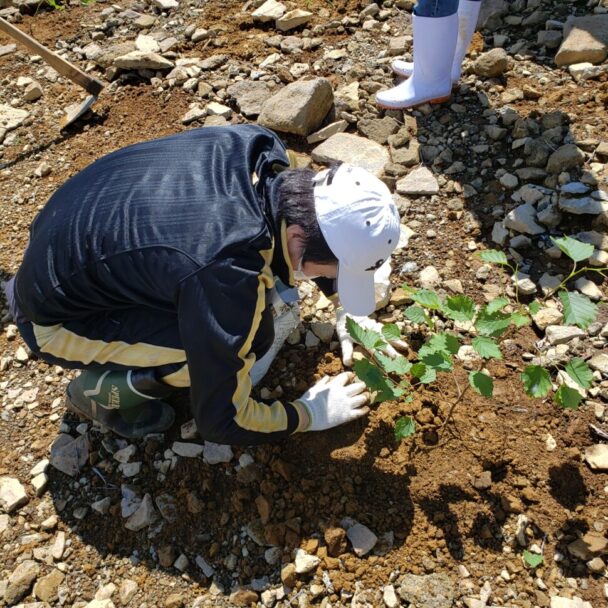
[65, 68]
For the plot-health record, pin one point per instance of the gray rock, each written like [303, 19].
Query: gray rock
[69, 455]
[143, 517]
[20, 581]
[165, 5]
[523, 219]
[420, 181]
[491, 64]
[562, 334]
[491, 14]
[326, 132]
[142, 60]
[430, 591]
[12, 494]
[269, 11]
[10, 118]
[215, 453]
[32, 92]
[193, 114]
[565, 157]
[596, 456]
[547, 316]
[580, 206]
[305, 563]
[429, 277]
[353, 150]
[378, 129]
[585, 40]
[127, 591]
[213, 62]
[586, 71]
[293, 19]
[205, 568]
[167, 506]
[599, 363]
[362, 539]
[323, 331]
[7, 49]
[47, 586]
[298, 108]
[187, 450]
[249, 96]
[589, 288]
[564, 602]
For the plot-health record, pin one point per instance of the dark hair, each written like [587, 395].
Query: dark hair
[297, 206]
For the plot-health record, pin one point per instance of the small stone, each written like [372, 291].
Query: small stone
[484, 481]
[547, 316]
[362, 539]
[596, 456]
[58, 547]
[124, 455]
[323, 331]
[207, 569]
[189, 430]
[585, 40]
[588, 288]
[326, 132]
[143, 517]
[389, 597]
[420, 181]
[243, 597]
[102, 506]
[105, 592]
[596, 565]
[193, 114]
[165, 5]
[564, 602]
[181, 563]
[293, 19]
[147, 44]
[565, 157]
[550, 443]
[288, 575]
[218, 109]
[305, 563]
[127, 591]
[33, 92]
[12, 494]
[600, 363]
[20, 581]
[142, 60]
[492, 64]
[562, 334]
[215, 453]
[429, 278]
[524, 284]
[39, 483]
[523, 219]
[269, 11]
[187, 450]
[47, 586]
[509, 181]
[69, 455]
[249, 96]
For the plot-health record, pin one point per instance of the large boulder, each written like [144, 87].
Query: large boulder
[585, 40]
[250, 96]
[298, 108]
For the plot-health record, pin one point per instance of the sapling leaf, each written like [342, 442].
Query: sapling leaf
[496, 305]
[399, 365]
[493, 256]
[578, 309]
[568, 398]
[537, 381]
[375, 380]
[486, 347]
[425, 374]
[416, 314]
[532, 560]
[369, 339]
[519, 319]
[391, 332]
[427, 299]
[409, 290]
[575, 250]
[481, 383]
[459, 308]
[534, 307]
[492, 324]
[404, 427]
[435, 359]
[580, 372]
[446, 343]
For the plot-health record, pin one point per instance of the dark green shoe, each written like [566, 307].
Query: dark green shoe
[112, 398]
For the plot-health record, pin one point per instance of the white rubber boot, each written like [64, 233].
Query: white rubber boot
[468, 13]
[434, 47]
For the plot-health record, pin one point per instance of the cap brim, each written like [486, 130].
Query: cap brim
[356, 292]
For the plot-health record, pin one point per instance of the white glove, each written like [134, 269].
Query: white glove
[346, 342]
[333, 401]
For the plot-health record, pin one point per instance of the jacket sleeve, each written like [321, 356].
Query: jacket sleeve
[220, 311]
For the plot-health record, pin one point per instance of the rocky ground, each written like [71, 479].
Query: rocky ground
[348, 518]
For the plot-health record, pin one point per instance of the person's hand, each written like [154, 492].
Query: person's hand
[346, 342]
[334, 401]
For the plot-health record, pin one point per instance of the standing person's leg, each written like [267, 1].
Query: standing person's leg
[435, 30]
[468, 13]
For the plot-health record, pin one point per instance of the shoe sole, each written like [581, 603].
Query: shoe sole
[432, 101]
[455, 84]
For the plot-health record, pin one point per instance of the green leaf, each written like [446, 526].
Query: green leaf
[580, 372]
[520, 319]
[459, 308]
[492, 324]
[399, 365]
[446, 343]
[408, 289]
[481, 383]
[532, 560]
[425, 374]
[486, 347]
[534, 307]
[427, 299]
[416, 314]
[436, 359]
[375, 380]
[404, 427]
[493, 256]
[575, 250]
[578, 309]
[367, 338]
[496, 305]
[537, 381]
[568, 398]
[391, 332]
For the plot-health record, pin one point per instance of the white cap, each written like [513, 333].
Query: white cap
[360, 222]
